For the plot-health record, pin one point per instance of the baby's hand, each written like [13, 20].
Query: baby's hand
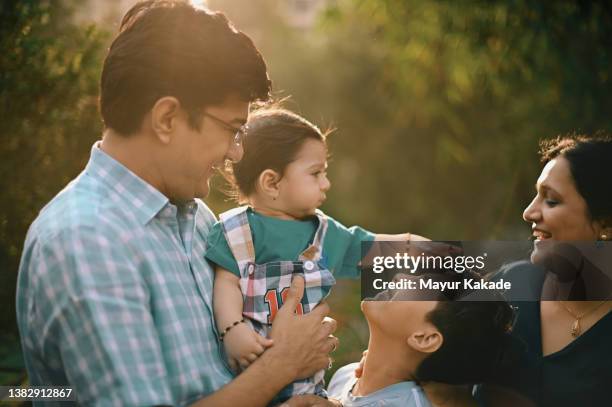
[243, 346]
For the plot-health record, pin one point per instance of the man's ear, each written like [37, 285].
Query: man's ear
[426, 341]
[164, 115]
[268, 183]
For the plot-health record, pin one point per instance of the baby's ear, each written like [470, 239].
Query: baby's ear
[268, 183]
[426, 341]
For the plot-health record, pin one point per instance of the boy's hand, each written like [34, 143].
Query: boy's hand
[243, 346]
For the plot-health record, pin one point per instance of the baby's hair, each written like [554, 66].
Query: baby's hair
[273, 139]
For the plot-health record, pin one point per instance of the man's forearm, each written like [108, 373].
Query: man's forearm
[256, 386]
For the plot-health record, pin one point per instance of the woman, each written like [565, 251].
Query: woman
[568, 359]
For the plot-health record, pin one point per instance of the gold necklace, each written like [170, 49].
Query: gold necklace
[575, 328]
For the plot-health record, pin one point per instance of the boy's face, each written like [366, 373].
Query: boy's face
[402, 314]
[304, 184]
[399, 319]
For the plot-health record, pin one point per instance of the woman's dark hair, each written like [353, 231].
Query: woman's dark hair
[476, 340]
[589, 159]
[171, 48]
[274, 138]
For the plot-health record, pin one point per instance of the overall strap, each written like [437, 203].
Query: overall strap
[315, 250]
[238, 235]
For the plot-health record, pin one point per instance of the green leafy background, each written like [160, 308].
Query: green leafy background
[438, 106]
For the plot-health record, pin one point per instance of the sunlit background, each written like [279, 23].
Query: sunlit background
[438, 107]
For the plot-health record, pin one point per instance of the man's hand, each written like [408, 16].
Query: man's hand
[302, 342]
[310, 400]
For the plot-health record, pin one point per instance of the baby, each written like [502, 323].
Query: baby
[280, 232]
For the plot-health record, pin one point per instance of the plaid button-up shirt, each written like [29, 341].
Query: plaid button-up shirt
[114, 296]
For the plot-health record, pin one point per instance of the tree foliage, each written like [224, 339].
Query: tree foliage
[439, 104]
[49, 69]
[468, 89]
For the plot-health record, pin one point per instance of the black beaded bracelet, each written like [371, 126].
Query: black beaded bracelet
[226, 330]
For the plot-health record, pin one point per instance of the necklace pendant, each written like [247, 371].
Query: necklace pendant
[575, 331]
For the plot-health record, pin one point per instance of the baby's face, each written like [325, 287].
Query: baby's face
[304, 185]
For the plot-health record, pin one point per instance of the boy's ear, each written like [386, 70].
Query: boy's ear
[164, 115]
[426, 341]
[268, 183]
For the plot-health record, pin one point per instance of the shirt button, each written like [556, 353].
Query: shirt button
[309, 265]
[251, 268]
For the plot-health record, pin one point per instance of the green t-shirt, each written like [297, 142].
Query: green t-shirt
[279, 239]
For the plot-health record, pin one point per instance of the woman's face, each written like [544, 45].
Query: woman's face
[558, 212]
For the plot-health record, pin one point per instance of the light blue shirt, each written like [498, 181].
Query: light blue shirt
[114, 296]
[404, 394]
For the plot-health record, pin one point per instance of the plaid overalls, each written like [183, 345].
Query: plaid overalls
[264, 286]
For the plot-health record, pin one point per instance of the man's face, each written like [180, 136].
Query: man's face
[193, 155]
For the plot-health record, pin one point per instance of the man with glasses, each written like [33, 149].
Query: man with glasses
[114, 293]
[239, 132]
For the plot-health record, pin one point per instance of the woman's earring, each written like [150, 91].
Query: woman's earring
[604, 237]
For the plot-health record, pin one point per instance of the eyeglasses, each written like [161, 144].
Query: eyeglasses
[239, 132]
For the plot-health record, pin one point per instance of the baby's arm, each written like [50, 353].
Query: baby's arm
[415, 245]
[402, 237]
[242, 344]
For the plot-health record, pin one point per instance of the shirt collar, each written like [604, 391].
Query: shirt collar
[136, 193]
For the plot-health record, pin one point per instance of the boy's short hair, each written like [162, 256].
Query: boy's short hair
[476, 340]
[172, 48]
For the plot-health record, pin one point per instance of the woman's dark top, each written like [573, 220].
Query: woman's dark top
[578, 375]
